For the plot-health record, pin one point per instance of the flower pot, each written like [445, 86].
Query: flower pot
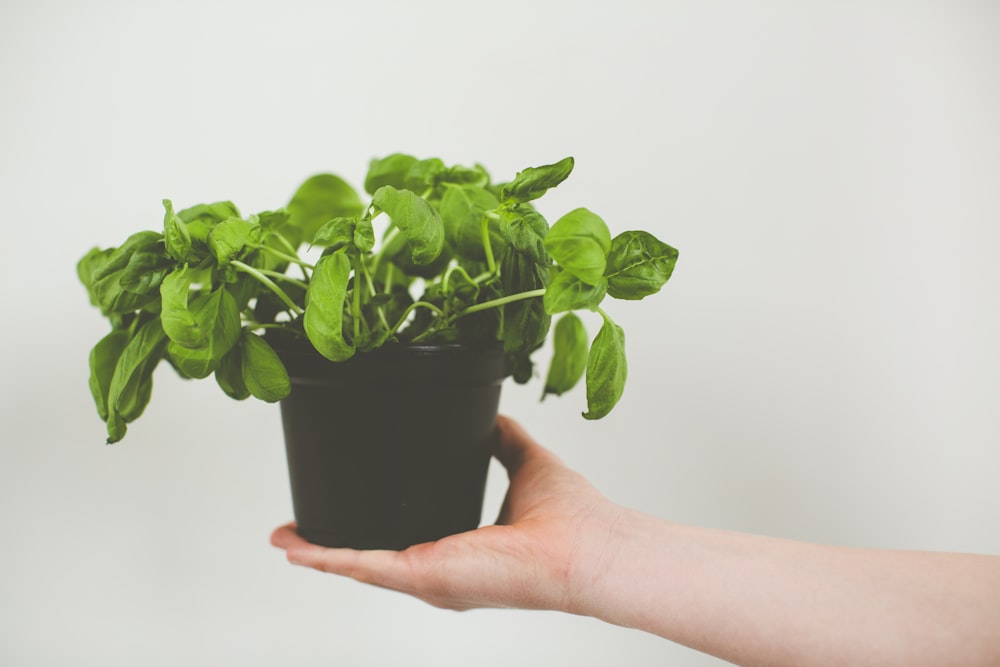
[391, 447]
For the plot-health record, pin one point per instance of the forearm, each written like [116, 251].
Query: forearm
[762, 601]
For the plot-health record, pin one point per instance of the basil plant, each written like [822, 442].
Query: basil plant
[462, 260]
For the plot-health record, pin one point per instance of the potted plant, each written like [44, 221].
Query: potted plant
[387, 357]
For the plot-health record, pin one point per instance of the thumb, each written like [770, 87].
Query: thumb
[515, 447]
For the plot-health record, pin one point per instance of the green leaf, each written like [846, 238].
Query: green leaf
[336, 233]
[395, 249]
[533, 182]
[209, 214]
[462, 212]
[525, 322]
[115, 299]
[422, 175]
[103, 359]
[606, 370]
[525, 229]
[228, 239]
[218, 315]
[200, 220]
[324, 316]
[273, 221]
[364, 235]
[579, 242]
[569, 355]
[106, 276]
[522, 369]
[264, 374]
[417, 220]
[638, 265]
[390, 170]
[567, 292]
[119, 258]
[116, 428]
[229, 374]
[176, 235]
[319, 199]
[145, 271]
[179, 322]
[459, 175]
[86, 267]
[131, 383]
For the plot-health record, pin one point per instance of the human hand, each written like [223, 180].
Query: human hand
[552, 525]
[752, 600]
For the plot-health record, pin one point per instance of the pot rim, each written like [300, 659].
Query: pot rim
[398, 363]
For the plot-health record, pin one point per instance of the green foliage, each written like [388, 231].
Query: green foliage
[263, 374]
[207, 292]
[131, 382]
[217, 315]
[324, 313]
[525, 229]
[579, 242]
[606, 370]
[569, 355]
[176, 317]
[319, 199]
[229, 374]
[638, 265]
[525, 322]
[108, 274]
[464, 211]
[390, 170]
[534, 182]
[419, 222]
[567, 292]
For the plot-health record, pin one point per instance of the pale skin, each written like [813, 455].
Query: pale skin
[559, 544]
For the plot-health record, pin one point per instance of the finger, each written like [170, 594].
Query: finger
[285, 536]
[386, 569]
[381, 568]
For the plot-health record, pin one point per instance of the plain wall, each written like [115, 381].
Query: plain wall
[822, 366]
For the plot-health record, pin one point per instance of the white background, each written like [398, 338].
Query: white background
[823, 365]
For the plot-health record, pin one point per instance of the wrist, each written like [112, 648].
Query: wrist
[598, 581]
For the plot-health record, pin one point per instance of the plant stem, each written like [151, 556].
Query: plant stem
[487, 246]
[285, 242]
[292, 251]
[267, 282]
[288, 258]
[389, 275]
[373, 292]
[356, 309]
[410, 309]
[493, 303]
[483, 277]
[389, 235]
[285, 277]
[447, 276]
[269, 325]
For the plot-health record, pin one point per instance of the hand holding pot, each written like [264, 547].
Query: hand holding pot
[753, 600]
[553, 523]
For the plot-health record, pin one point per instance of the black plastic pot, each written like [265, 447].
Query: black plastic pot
[390, 448]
